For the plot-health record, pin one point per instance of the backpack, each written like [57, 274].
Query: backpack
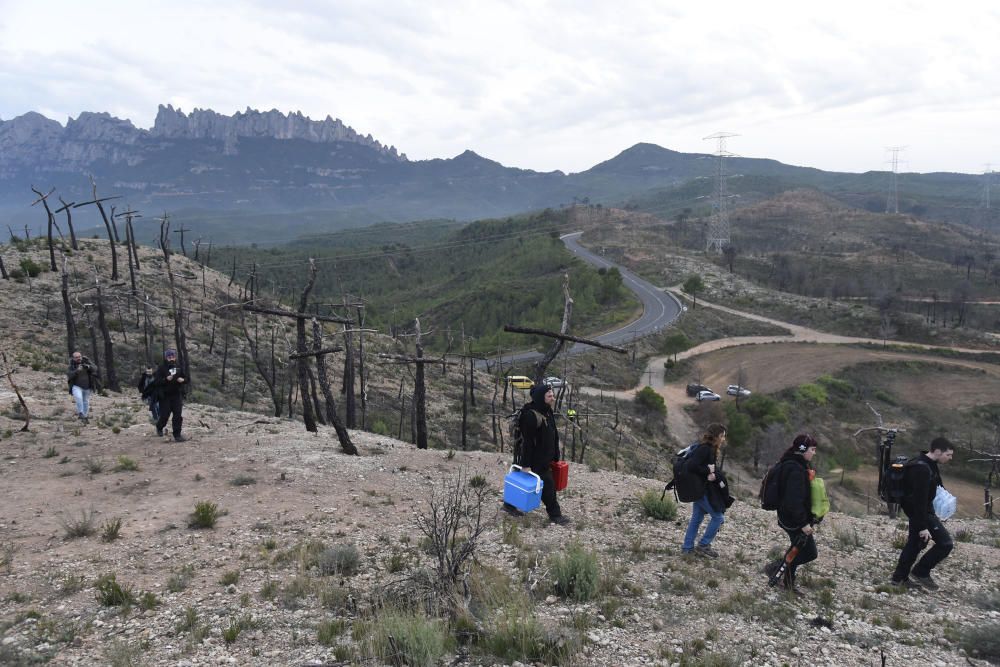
[514, 431]
[687, 486]
[892, 486]
[770, 488]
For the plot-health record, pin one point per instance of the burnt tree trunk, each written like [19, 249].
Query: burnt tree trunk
[50, 219]
[68, 311]
[324, 379]
[112, 239]
[420, 395]
[132, 245]
[361, 369]
[317, 409]
[69, 222]
[131, 270]
[225, 353]
[3, 270]
[302, 364]
[111, 381]
[183, 360]
[350, 407]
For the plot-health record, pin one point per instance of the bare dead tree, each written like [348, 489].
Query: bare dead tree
[3, 270]
[561, 337]
[68, 310]
[324, 380]
[181, 232]
[183, 360]
[8, 371]
[112, 235]
[51, 219]
[302, 364]
[69, 221]
[361, 368]
[109, 346]
[131, 270]
[347, 388]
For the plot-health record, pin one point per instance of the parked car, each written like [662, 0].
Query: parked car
[708, 395]
[693, 388]
[554, 382]
[736, 390]
[520, 381]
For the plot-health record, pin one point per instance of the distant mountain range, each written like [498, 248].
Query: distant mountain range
[269, 163]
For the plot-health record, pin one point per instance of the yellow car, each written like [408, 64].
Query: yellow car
[520, 381]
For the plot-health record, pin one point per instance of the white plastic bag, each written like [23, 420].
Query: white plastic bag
[945, 504]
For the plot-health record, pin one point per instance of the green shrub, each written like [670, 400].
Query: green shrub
[664, 509]
[410, 639]
[30, 267]
[812, 394]
[112, 594]
[230, 578]
[204, 516]
[148, 600]
[328, 631]
[123, 654]
[110, 530]
[576, 573]
[648, 400]
[78, 527]
[243, 480]
[982, 640]
[180, 579]
[519, 636]
[126, 464]
[835, 385]
[50, 453]
[340, 559]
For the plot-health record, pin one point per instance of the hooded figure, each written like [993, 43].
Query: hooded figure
[167, 386]
[795, 515]
[540, 445]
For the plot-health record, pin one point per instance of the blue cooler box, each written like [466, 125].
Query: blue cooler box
[522, 489]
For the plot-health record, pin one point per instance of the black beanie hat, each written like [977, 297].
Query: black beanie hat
[538, 392]
[803, 442]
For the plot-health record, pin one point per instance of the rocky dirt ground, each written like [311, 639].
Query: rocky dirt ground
[251, 590]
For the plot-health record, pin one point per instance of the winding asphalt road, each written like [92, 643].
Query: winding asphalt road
[659, 308]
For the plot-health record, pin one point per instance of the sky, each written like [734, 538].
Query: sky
[540, 85]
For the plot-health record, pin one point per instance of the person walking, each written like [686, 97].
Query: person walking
[795, 516]
[83, 378]
[702, 463]
[540, 446]
[146, 379]
[168, 385]
[922, 477]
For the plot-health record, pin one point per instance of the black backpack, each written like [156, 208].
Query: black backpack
[892, 487]
[514, 431]
[687, 486]
[770, 488]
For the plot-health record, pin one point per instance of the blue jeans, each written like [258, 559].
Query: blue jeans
[699, 509]
[82, 398]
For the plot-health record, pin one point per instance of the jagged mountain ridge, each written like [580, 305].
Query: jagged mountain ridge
[271, 162]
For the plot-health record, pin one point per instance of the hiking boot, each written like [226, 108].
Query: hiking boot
[159, 432]
[706, 550]
[771, 568]
[179, 438]
[511, 510]
[925, 582]
[559, 520]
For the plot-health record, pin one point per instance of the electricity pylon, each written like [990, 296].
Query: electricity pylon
[892, 201]
[718, 226]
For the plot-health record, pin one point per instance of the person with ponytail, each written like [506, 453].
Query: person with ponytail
[702, 462]
[795, 516]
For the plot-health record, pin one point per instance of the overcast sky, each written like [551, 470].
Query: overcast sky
[539, 85]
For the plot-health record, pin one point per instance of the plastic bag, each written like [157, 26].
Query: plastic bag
[820, 501]
[945, 504]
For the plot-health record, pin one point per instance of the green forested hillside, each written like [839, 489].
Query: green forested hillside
[480, 277]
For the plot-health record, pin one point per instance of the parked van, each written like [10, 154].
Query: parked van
[520, 381]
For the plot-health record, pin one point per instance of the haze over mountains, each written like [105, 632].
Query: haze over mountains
[270, 162]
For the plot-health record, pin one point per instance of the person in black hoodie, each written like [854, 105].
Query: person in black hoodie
[146, 378]
[167, 386]
[540, 446]
[795, 515]
[701, 462]
[922, 477]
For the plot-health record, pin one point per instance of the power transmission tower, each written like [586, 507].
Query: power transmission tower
[892, 202]
[718, 226]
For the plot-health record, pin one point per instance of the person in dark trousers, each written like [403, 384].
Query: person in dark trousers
[795, 515]
[83, 378]
[702, 463]
[541, 445]
[168, 385]
[146, 378]
[922, 479]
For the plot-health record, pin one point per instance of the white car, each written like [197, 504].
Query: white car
[736, 390]
[707, 395]
[554, 382]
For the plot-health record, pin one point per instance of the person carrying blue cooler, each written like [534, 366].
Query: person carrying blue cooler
[540, 446]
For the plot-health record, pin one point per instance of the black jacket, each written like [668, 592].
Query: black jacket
[161, 387]
[922, 477]
[795, 509]
[697, 464]
[83, 374]
[540, 437]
